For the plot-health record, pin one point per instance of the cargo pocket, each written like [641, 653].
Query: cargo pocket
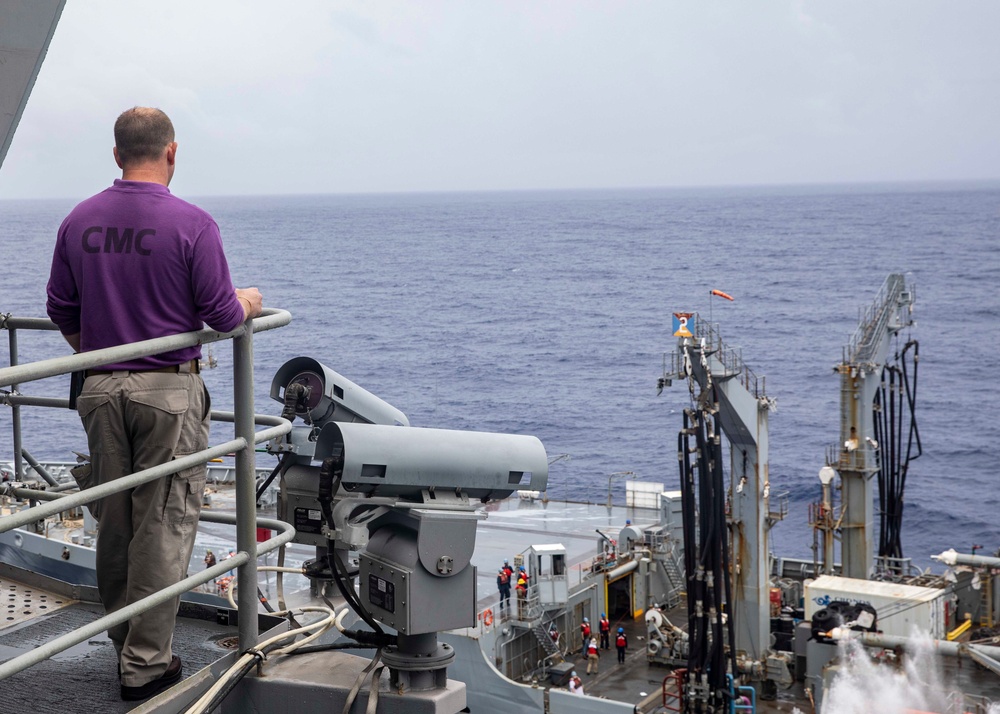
[182, 505]
[194, 433]
[157, 414]
[93, 410]
[83, 474]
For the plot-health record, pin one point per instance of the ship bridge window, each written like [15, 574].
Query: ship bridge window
[550, 565]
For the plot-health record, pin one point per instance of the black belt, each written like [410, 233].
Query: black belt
[190, 367]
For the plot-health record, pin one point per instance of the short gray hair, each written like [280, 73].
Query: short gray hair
[141, 134]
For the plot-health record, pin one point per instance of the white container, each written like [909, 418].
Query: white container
[642, 494]
[903, 610]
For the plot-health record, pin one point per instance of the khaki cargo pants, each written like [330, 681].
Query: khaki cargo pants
[135, 420]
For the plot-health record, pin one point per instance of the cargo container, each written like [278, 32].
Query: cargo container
[903, 610]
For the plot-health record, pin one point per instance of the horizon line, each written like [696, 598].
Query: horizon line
[584, 189]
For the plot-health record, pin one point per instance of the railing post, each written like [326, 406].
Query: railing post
[15, 410]
[246, 501]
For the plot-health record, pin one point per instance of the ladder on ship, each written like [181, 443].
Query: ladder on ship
[675, 574]
[548, 645]
[987, 617]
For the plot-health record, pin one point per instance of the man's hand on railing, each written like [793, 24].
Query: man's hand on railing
[251, 300]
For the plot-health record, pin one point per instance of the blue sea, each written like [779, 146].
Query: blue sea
[549, 313]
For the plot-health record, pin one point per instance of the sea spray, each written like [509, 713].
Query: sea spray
[891, 685]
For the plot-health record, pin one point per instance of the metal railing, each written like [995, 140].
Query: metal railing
[245, 438]
[874, 320]
[862, 458]
[731, 359]
[676, 697]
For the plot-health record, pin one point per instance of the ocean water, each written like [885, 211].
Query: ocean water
[549, 313]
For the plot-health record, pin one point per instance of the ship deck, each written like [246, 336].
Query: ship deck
[513, 525]
[85, 677]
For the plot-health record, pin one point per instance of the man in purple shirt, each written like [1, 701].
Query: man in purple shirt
[133, 263]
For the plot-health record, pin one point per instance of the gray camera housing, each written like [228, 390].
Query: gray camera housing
[332, 397]
[389, 461]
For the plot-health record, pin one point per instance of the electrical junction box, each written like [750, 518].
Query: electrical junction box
[416, 602]
[416, 574]
[298, 504]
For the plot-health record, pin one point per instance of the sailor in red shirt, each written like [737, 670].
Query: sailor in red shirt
[621, 644]
[605, 629]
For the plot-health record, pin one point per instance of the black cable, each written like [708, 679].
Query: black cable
[330, 474]
[231, 683]
[284, 462]
[263, 600]
[246, 669]
[707, 529]
[911, 398]
[332, 646]
[233, 680]
[706, 556]
[347, 590]
[880, 439]
[727, 583]
[894, 409]
[913, 432]
[721, 576]
[688, 519]
[372, 642]
[697, 626]
[896, 545]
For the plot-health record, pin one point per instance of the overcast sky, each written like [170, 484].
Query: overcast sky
[343, 97]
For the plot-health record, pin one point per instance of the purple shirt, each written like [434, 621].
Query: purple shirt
[135, 262]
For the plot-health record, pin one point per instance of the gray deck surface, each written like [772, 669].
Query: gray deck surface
[85, 677]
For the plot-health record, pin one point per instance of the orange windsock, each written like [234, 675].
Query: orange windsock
[721, 294]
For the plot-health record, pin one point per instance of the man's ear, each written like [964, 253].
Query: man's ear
[118, 161]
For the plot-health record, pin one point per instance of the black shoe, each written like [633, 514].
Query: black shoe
[145, 691]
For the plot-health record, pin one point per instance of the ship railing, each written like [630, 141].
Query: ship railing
[862, 458]
[894, 569]
[533, 609]
[245, 438]
[873, 321]
[577, 572]
[777, 509]
[731, 359]
[673, 690]
[658, 542]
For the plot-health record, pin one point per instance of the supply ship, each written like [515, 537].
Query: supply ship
[388, 540]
